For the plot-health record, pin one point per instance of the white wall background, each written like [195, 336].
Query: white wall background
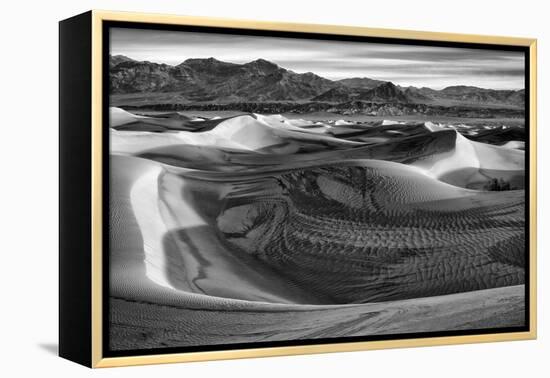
[28, 189]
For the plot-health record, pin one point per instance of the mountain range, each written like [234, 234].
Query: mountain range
[213, 81]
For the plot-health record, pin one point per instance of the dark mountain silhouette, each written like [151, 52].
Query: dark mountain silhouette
[211, 80]
[386, 92]
[117, 59]
[462, 93]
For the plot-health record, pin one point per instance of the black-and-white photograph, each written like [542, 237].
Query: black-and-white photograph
[268, 189]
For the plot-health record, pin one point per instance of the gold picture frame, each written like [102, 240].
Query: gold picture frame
[93, 262]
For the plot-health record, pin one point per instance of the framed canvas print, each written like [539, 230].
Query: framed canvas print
[234, 189]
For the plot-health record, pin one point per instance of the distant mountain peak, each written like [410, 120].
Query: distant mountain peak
[263, 64]
[462, 88]
[385, 92]
[210, 60]
[119, 56]
[262, 61]
[387, 84]
[117, 59]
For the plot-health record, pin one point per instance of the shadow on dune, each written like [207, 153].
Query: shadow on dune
[402, 149]
[478, 179]
[175, 263]
[197, 262]
[170, 122]
[500, 135]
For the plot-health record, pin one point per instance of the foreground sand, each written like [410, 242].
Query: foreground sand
[261, 228]
[149, 325]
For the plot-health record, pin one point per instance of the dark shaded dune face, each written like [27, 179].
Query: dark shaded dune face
[354, 234]
[198, 157]
[170, 122]
[499, 136]
[377, 132]
[479, 179]
[409, 149]
[406, 150]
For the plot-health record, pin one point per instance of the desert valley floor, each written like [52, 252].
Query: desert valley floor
[254, 228]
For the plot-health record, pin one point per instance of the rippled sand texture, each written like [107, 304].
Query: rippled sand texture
[260, 228]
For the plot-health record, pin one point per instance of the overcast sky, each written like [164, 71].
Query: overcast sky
[435, 67]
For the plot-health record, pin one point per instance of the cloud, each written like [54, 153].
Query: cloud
[403, 64]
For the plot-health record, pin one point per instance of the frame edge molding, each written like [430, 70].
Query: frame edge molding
[98, 361]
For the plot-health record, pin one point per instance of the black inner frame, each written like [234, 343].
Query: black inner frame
[106, 25]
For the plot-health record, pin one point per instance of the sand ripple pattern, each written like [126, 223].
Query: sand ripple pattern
[354, 234]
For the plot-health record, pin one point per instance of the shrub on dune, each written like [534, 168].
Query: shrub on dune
[497, 185]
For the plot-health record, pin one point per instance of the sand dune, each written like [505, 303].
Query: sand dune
[444, 155]
[353, 218]
[197, 278]
[390, 229]
[515, 144]
[119, 117]
[260, 229]
[179, 251]
[259, 132]
[472, 164]
[266, 134]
